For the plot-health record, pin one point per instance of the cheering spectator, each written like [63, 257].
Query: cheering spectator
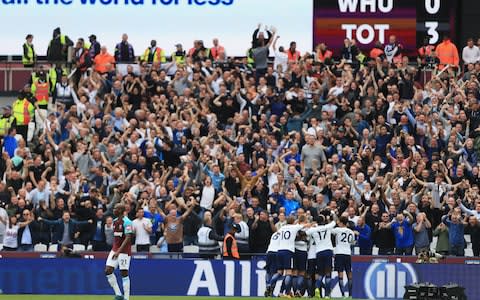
[420, 228]
[142, 227]
[455, 233]
[66, 230]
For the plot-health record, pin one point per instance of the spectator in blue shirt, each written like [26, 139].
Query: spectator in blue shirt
[10, 143]
[403, 232]
[290, 204]
[275, 199]
[364, 233]
[156, 219]
[455, 233]
[214, 173]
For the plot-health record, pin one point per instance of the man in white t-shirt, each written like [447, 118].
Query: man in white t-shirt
[471, 53]
[281, 58]
[142, 227]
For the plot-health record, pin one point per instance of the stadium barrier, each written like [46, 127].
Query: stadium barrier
[374, 277]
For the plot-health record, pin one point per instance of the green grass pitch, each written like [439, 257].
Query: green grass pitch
[81, 297]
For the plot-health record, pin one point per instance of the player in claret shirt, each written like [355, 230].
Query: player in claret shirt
[121, 252]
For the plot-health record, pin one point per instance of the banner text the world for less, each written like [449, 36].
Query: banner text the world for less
[120, 2]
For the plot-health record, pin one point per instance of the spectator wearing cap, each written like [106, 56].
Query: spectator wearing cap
[29, 57]
[230, 247]
[179, 55]
[7, 121]
[94, 49]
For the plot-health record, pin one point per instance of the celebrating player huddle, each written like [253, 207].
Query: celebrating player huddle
[301, 253]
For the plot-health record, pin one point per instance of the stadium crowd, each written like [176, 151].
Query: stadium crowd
[197, 139]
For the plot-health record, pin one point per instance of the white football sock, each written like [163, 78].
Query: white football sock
[126, 287]
[112, 280]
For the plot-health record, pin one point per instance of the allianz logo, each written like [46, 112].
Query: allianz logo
[388, 280]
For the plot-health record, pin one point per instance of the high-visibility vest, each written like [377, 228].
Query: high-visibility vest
[361, 57]
[321, 57]
[234, 248]
[426, 50]
[52, 75]
[30, 58]
[179, 59]
[42, 91]
[216, 51]
[5, 124]
[23, 111]
[293, 56]
[206, 244]
[158, 56]
[250, 60]
[376, 52]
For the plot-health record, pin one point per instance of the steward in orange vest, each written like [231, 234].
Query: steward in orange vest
[230, 249]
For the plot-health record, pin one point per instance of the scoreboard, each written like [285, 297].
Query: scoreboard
[368, 21]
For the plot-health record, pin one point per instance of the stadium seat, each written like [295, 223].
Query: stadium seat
[375, 251]
[134, 248]
[90, 247]
[469, 252]
[356, 250]
[40, 248]
[53, 248]
[78, 247]
[1, 246]
[154, 249]
[190, 249]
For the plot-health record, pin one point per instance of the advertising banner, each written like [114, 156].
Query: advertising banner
[378, 280]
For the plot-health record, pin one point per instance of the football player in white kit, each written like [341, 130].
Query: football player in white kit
[324, 248]
[344, 239]
[300, 259]
[286, 250]
[272, 267]
[311, 266]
